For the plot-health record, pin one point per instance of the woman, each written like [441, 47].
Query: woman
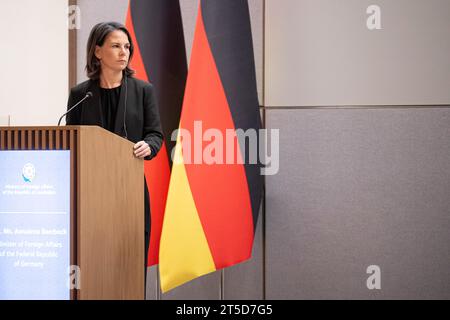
[119, 103]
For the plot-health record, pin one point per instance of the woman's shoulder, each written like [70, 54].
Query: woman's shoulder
[81, 88]
[140, 83]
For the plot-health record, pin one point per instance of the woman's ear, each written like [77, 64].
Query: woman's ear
[98, 52]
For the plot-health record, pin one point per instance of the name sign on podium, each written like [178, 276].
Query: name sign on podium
[34, 225]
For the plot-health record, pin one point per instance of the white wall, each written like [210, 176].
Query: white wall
[33, 61]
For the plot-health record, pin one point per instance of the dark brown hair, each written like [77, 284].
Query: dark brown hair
[97, 38]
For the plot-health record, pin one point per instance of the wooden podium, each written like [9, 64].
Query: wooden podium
[107, 206]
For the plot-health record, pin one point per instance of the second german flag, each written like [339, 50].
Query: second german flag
[212, 204]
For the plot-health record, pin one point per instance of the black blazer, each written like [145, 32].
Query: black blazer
[137, 109]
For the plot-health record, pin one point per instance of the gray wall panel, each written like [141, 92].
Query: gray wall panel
[320, 52]
[151, 292]
[245, 280]
[189, 10]
[257, 20]
[204, 288]
[359, 188]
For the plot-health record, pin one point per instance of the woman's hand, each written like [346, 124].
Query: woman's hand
[142, 150]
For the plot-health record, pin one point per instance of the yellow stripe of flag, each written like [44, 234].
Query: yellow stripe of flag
[184, 252]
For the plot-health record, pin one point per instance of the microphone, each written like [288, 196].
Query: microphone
[87, 96]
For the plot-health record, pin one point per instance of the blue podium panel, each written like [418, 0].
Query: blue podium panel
[34, 224]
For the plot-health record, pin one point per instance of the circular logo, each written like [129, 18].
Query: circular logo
[28, 172]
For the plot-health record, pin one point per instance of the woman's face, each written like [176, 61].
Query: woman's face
[115, 51]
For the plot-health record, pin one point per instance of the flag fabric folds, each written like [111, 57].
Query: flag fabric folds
[212, 205]
[159, 58]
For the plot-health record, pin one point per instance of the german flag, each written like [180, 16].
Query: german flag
[213, 203]
[160, 58]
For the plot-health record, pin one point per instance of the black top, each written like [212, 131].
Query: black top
[110, 102]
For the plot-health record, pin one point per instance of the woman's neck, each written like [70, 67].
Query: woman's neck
[109, 79]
